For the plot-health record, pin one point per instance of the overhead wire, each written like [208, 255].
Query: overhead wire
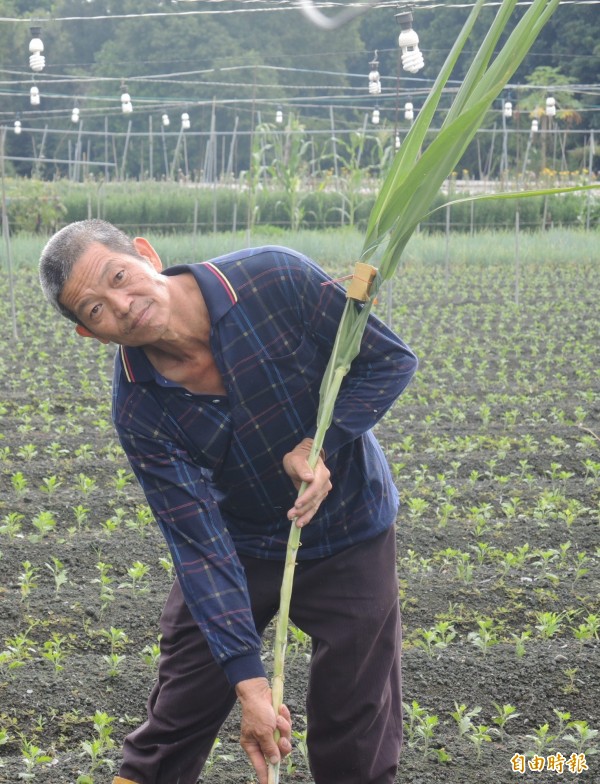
[419, 4]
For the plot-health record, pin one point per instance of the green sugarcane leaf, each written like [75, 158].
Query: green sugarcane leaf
[386, 212]
[423, 181]
[481, 61]
[409, 151]
[514, 195]
[516, 47]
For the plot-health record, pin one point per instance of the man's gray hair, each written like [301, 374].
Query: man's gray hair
[67, 246]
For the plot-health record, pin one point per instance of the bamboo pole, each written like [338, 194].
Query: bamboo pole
[6, 234]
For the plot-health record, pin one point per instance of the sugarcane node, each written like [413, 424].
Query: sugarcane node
[362, 280]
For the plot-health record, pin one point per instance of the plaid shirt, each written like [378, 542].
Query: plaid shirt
[211, 466]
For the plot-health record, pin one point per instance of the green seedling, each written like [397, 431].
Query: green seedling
[571, 673]
[44, 523]
[150, 655]
[84, 452]
[580, 737]
[167, 564]
[81, 515]
[105, 582]
[27, 452]
[416, 508]
[50, 485]
[504, 714]
[478, 735]
[437, 638]
[421, 727]
[137, 573]
[486, 636]
[58, 572]
[464, 718]
[117, 639]
[32, 756]
[542, 740]
[97, 748]
[143, 518]
[121, 480]
[548, 623]
[53, 651]
[27, 579]
[215, 757]
[464, 568]
[300, 641]
[11, 524]
[19, 483]
[520, 640]
[19, 649]
[56, 451]
[113, 523]
[85, 484]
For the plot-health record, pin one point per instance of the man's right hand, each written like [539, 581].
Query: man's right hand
[259, 724]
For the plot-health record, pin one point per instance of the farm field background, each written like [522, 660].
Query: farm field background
[496, 452]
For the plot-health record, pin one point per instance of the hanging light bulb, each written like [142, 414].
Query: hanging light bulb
[534, 125]
[374, 80]
[126, 105]
[409, 113]
[375, 116]
[507, 109]
[279, 115]
[408, 41]
[185, 121]
[34, 96]
[37, 61]
[397, 142]
[75, 115]
[165, 120]
[550, 107]
[18, 128]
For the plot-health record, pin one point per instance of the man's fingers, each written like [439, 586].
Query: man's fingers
[307, 505]
[258, 763]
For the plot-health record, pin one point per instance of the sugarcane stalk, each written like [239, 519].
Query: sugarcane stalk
[285, 595]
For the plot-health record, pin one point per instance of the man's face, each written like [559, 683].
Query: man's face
[118, 297]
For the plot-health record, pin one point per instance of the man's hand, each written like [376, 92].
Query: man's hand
[297, 468]
[259, 723]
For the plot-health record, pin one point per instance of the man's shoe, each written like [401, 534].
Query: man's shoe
[121, 780]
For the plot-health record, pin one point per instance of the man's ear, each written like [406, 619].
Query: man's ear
[144, 248]
[85, 333]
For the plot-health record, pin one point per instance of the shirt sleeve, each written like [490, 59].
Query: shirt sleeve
[378, 374]
[211, 576]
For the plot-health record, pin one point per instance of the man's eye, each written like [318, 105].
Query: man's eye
[120, 275]
[95, 310]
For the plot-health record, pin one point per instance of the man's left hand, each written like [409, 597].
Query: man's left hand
[297, 468]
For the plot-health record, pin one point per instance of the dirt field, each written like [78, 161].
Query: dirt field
[496, 451]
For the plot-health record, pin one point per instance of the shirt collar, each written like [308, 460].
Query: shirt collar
[219, 295]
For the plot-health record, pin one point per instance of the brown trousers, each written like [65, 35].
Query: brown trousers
[348, 604]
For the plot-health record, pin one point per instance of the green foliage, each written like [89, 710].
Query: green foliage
[33, 206]
[175, 209]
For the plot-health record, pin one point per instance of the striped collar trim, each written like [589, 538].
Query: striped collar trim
[126, 365]
[222, 279]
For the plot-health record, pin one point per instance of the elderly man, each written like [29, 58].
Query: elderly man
[215, 395]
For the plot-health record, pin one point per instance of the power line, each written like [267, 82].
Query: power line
[422, 4]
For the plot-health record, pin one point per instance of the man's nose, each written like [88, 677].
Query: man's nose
[120, 302]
